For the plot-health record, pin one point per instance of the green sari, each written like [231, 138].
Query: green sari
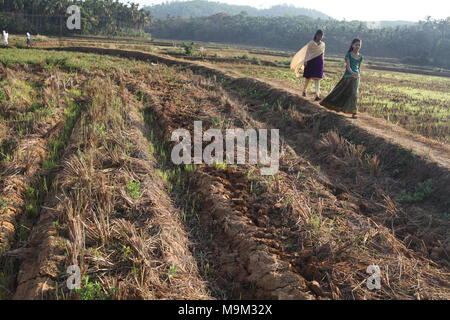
[344, 97]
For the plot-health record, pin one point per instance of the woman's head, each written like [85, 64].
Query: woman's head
[318, 36]
[356, 45]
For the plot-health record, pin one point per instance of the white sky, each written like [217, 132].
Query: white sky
[365, 10]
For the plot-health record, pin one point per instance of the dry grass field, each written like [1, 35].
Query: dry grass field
[87, 180]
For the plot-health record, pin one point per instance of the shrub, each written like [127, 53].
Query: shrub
[188, 48]
[422, 191]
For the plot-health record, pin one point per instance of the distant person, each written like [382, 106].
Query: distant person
[344, 97]
[28, 39]
[5, 37]
[311, 59]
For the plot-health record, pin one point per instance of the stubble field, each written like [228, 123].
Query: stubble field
[87, 180]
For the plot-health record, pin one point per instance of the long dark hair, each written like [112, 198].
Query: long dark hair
[318, 32]
[353, 42]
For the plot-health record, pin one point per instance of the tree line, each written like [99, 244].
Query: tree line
[424, 43]
[108, 17]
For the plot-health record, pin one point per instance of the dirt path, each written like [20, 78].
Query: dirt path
[435, 151]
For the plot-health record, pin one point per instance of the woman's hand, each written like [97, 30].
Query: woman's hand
[356, 75]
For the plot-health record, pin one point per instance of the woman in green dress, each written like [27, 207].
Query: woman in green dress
[344, 97]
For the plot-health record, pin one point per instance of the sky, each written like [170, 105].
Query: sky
[364, 10]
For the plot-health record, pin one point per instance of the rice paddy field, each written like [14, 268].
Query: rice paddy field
[87, 180]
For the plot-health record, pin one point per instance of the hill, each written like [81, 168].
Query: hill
[202, 8]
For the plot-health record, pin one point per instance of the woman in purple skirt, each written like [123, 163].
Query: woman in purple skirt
[314, 67]
[311, 58]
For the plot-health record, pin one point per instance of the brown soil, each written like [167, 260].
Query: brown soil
[239, 248]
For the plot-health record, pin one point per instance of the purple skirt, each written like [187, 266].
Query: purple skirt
[314, 68]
